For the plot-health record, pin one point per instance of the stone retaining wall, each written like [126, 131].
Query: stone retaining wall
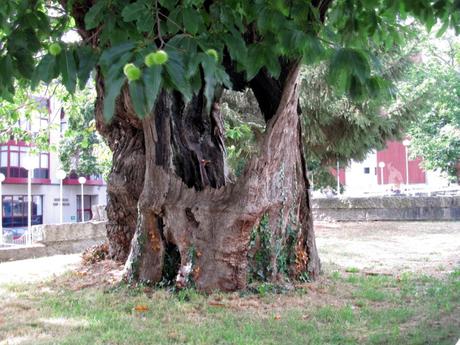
[59, 239]
[396, 208]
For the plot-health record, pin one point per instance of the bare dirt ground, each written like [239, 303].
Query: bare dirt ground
[34, 270]
[390, 247]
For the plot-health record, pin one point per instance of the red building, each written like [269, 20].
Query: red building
[394, 157]
[366, 176]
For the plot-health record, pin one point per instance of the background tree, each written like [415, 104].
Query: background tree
[337, 126]
[341, 128]
[435, 135]
[423, 105]
[20, 117]
[82, 150]
[161, 66]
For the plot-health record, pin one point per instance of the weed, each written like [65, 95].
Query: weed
[352, 270]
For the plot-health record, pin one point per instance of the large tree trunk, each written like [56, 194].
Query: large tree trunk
[169, 203]
[194, 226]
[125, 138]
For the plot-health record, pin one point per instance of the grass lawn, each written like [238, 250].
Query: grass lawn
[349, 307]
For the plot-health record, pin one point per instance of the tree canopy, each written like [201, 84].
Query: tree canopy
[219, 39]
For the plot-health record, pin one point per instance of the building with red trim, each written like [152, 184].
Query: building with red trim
[385, 170]
[45, 184]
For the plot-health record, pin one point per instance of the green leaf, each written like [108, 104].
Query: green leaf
[194, 64]
[112, 90]
[255, 60]
[68, 69]
[94, 16]
[86, 62]
[176, 71]
[6, 76]
[45, 70]
[144, 91]
[134, 11]
[145, 22]
[294, 40]
[443, 28]
[313, 51]
[191, 20]
[430, 21]
[137, 93]
[195, 82]
[23, 38]
[152, 82]
[223, 77]
[84, 144]
[174, 22]
[110, 55]
[113, 83]
[273, 66]
[23, 62]
[209, 69]
[269, 20]
[236, 47]
[351, 61]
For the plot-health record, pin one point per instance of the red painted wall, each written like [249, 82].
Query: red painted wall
[341, 175]
[395, 165]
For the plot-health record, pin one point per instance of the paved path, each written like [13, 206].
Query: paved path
[33, 270]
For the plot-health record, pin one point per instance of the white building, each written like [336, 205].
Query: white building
[45, 184]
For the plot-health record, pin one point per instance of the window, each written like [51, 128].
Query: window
[37, 119]
[13, 158]
[18, 156]
[367, 170]
[63, 123]
[41, 169]
[14, 210]
[88, 201]
[4, 159]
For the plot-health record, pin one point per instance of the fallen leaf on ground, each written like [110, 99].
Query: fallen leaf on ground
[141, 308]
[216, 304]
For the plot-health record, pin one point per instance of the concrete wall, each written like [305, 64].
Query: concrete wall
[445, 208]
[59, 239]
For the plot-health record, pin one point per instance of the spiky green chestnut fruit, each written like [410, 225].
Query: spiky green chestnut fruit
[213, 53]
[156, 58]
[132, 72]
[55, 49]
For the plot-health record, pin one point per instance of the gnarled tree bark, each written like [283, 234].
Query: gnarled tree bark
[208, 222]
[170, 206]
[125, 138]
